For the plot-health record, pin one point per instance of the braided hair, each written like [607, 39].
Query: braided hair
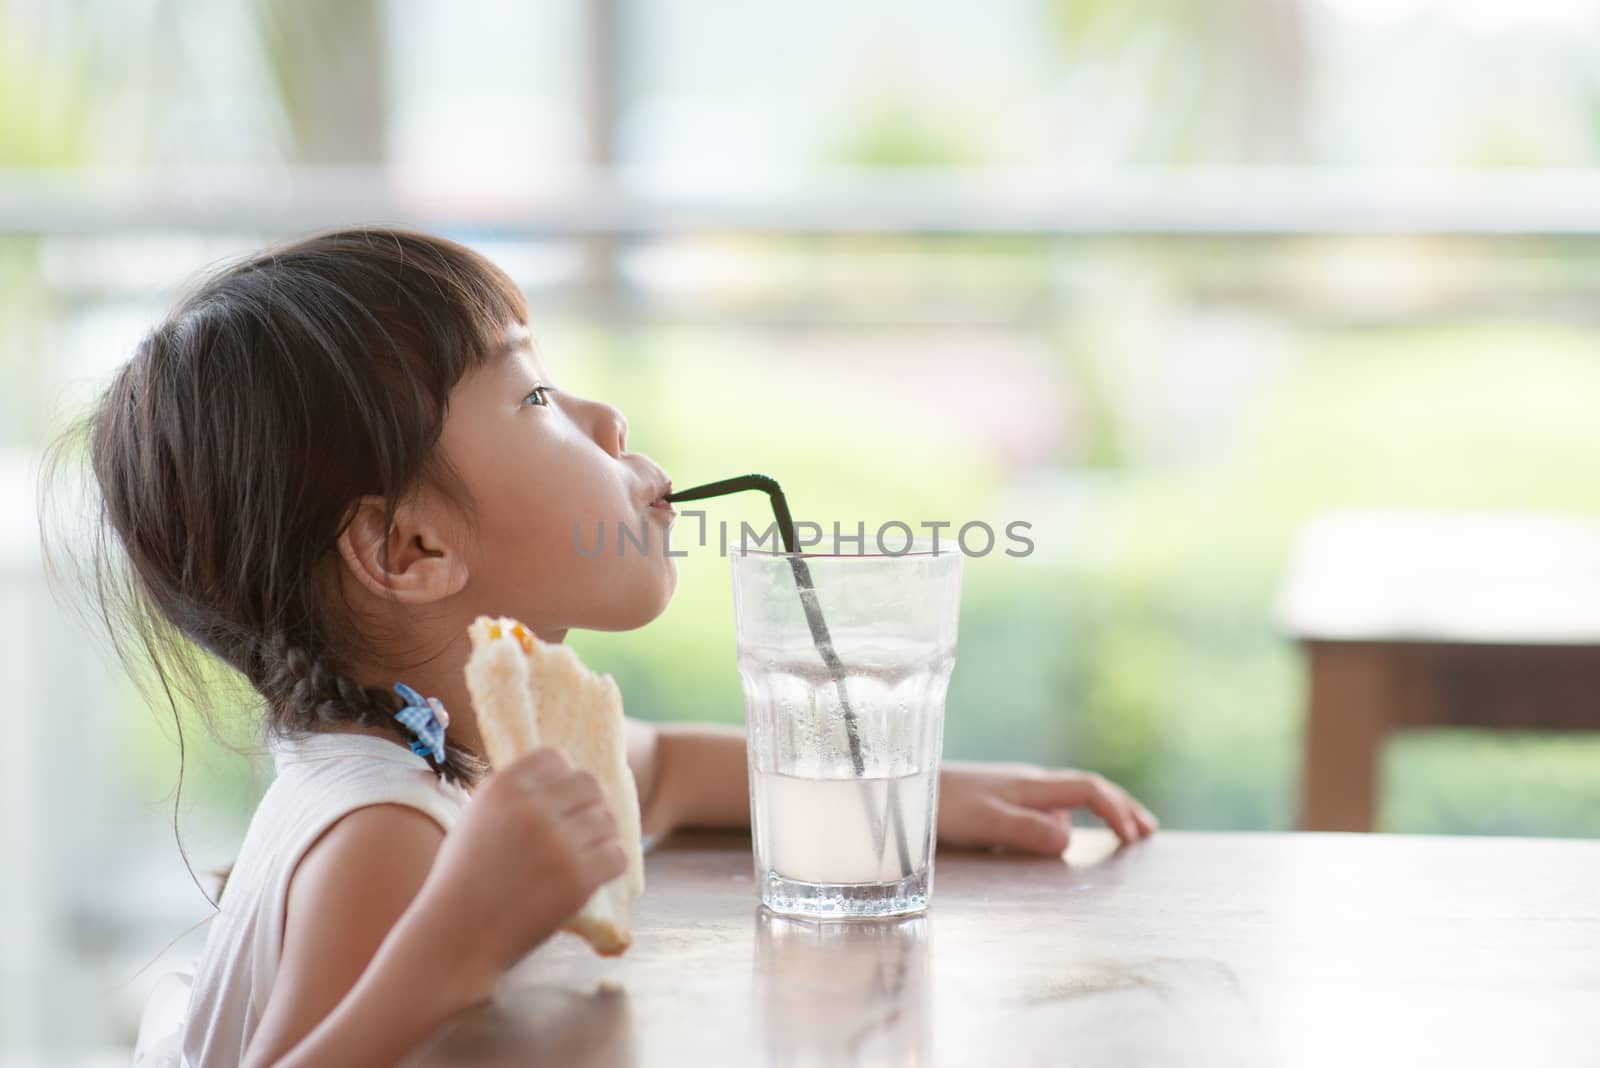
[228, 451]
[308, 691]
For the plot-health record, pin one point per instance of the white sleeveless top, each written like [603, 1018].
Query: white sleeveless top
[320, 778]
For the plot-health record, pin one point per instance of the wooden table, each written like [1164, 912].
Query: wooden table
[1415, 620]
[1191, 949]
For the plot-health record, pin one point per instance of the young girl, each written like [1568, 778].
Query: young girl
[319, 469]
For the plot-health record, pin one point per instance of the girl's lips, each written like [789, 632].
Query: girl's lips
[662, 505]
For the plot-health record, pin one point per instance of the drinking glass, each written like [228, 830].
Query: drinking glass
[845, 660]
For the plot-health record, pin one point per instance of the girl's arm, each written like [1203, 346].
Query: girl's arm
[689, 775]
[411, 987]
[694, 775]
[353, 947]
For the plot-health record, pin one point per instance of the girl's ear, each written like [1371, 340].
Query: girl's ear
[416, 560]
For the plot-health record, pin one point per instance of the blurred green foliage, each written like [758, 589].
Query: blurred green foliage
[903, 135]
[42, 109]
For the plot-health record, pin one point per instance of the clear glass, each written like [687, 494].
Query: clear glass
[846, 723]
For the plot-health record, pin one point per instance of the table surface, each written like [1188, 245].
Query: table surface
[1186, 949]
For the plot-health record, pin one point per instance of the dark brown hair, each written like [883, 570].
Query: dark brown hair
[228, 451]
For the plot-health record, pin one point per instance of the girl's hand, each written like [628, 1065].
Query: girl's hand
[536, 840]
[1026, 807]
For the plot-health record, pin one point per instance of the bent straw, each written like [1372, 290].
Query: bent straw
[819, 637]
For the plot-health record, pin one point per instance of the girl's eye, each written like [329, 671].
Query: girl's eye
[537, 397]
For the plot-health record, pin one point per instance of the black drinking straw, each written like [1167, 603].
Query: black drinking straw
[819, 635]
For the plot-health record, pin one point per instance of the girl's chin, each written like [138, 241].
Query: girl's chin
[647, 606]
[663, 596]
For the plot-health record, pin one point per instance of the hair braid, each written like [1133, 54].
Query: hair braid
[307, 691]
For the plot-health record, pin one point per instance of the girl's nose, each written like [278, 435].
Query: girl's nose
[611, 429]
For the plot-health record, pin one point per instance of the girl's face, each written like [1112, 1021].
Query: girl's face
[549, 473]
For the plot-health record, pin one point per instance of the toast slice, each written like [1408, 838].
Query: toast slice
[527, 693]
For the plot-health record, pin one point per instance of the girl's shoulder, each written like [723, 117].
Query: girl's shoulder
[321, 777]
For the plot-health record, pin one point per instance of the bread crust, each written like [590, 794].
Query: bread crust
[527, 693]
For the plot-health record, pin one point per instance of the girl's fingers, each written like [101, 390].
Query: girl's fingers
[1075, 789]
[593, 824]
[573, 792]
[1063, 816]
[611, 860]
[1027, 829]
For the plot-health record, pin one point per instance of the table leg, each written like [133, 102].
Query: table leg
[1352, 693]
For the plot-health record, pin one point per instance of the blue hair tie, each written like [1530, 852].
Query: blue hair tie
[426, 718]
